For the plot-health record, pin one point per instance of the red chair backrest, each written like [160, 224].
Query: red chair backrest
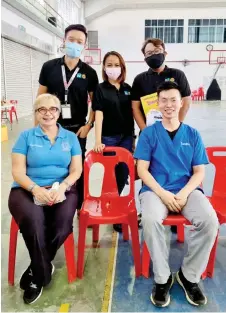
[219, 161]
[109, 161]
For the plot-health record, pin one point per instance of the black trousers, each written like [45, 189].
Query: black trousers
[44, 229]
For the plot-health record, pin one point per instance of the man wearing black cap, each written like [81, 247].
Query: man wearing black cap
[71, 80]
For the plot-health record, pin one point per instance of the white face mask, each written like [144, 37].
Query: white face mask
[113, 72]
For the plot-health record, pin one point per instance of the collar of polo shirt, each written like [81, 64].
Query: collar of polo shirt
[40, 133]
[151, 72]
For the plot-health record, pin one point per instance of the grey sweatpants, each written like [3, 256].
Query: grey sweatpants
[202, 216]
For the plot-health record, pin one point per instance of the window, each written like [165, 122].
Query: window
[92, 39]
[207, 30]
[170, 31]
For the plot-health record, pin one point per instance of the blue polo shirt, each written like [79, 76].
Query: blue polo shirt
[47, 163]
[171, 161]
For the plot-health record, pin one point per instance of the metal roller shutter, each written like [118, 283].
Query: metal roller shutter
[37, 60]
[18, 76]
[2, 74]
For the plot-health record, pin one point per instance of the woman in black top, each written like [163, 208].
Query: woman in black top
[114, 125]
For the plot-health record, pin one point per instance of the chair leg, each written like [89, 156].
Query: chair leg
[96, 233]
[125, 232]
[12, 252]
[135, 242]
[180, 233]
[146, 260]
[16, 116]
[83, 222]
[69, 250]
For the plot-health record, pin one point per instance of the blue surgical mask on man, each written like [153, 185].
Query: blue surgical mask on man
[73, 49]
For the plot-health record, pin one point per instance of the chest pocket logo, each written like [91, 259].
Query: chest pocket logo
[127, 93]
[65, 146]
[83, 76]
[170, 80]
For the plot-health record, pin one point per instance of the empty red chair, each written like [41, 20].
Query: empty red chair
[13, 110]
[109, 208]
[194, 95]
[201, 93]
[68, 249]
[218, 198]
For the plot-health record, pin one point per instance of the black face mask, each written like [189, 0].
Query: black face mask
[155, 61]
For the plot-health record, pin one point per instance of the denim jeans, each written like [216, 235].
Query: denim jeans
[121, 169]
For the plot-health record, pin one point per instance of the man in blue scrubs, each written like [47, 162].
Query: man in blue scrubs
[171, 158]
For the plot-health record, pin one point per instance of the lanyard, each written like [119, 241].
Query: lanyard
[68, 84]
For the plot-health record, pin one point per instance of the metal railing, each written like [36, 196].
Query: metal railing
[44, 11]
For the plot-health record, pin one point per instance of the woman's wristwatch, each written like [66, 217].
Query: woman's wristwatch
[31, 187]
[91, 124]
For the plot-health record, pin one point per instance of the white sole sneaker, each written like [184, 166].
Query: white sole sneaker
[169, 299]
[186, 294]
[35, 298]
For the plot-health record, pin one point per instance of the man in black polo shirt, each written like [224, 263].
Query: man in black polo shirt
[71, 81]
[144, 96]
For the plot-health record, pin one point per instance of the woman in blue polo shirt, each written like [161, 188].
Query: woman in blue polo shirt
[114, 125]
[42, 156]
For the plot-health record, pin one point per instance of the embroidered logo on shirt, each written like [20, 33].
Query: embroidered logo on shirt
[127, 93]
[170, 79]
[65, 146]
[185, 143]
[34, 145]
[79, 75]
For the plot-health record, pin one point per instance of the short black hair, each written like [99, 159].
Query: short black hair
[168, 85]
[79, 27]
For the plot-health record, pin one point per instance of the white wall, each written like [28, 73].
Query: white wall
[33, 30]
[123, 31]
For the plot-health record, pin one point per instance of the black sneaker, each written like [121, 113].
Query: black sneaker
[27, 277]
[32, 293]
[160, 295]
[193, 293]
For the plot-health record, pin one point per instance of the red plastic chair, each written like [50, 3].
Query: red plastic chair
[13, 110]
[109, 208]
[194, 95]
[201, 93]
[218, 198]
[68, 249]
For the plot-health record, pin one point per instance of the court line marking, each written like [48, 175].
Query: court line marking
[109, 282]
[64, 307]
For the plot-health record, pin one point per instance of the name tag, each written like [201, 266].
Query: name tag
[66, 111]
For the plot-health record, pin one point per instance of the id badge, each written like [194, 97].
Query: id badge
[66, 111]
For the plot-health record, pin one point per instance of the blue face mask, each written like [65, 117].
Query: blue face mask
[73, 49]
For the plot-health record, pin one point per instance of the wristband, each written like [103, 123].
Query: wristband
[31, 187]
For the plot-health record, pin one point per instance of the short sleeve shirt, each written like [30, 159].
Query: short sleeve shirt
[171, 161]
[116, 107]
[47, 163]
[147, 83]
[85, 81]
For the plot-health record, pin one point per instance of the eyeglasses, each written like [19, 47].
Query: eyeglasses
[43, 110]
[156, 51]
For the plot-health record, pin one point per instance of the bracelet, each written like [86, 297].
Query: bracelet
[31, 187]
[67, 184]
